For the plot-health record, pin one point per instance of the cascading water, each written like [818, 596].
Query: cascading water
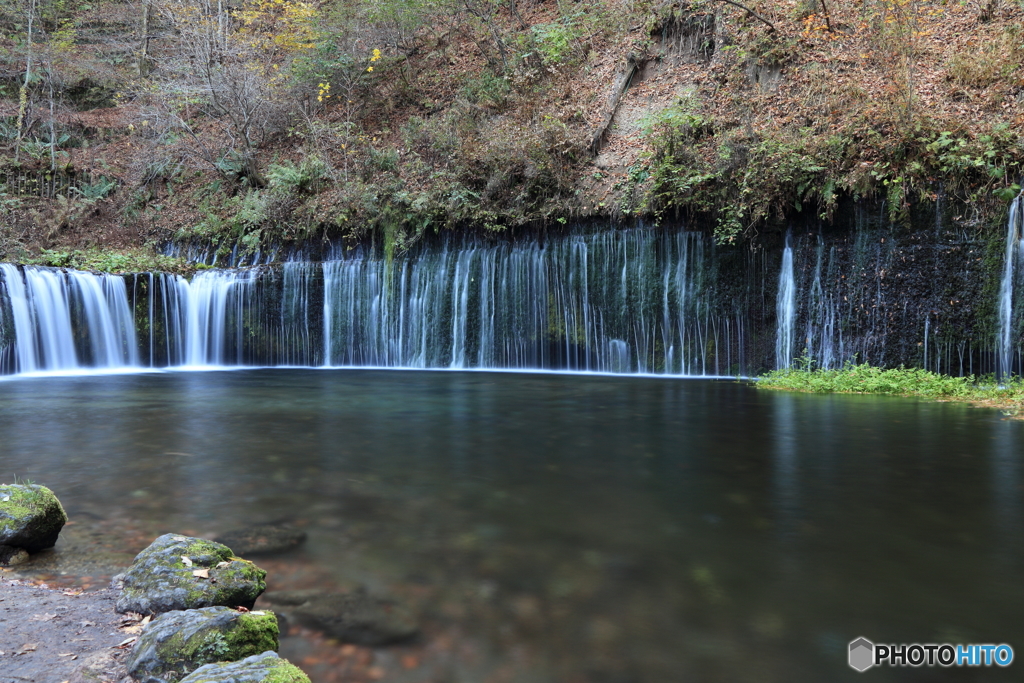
[69, 320]
[214, 327]
[1014, 248]
[785, 310]
[619, 301]
[824, 339]
[629, 300]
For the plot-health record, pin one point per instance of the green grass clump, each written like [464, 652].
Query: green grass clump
[868, 379]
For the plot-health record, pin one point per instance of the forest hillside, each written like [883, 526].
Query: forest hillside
[125, 125]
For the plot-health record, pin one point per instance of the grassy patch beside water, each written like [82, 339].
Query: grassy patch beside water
[867, 379]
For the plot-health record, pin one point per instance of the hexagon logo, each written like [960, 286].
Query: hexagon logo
[862, 654]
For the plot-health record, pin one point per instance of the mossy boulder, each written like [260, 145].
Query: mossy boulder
[180, 572]
[177, 643]
[31, 517]
[354, 617]
[264, 668]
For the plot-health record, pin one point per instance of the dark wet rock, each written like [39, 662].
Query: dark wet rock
[168, 575]
[354, 617]
[31, 517]
[10, 556]
[264, 668]
[177, 643]
[263, 539]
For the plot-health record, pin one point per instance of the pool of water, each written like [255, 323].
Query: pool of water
[546, 527]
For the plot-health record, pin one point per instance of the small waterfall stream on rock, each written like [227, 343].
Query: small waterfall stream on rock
[785, 310]
[1014, 256]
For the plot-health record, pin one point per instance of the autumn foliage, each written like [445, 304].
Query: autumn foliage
[245, 123]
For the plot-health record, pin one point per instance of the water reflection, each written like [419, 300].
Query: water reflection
[1006, 487]
[553, 528]
[786, 472]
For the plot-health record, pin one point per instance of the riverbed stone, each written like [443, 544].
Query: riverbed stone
[354, 617]
[263, 539]
[264, 668]
[31, 517]
[181, 572]
[177, 643]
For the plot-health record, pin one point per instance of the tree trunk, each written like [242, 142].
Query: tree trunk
[633, 64]
[144, 56]
[23, 95]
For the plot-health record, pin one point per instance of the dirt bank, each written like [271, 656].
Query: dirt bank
[54, 636]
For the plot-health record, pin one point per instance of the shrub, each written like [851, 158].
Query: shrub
[306, 176]
[991, 62]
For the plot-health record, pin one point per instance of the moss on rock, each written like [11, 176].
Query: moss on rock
[31, 517]
[177, 643]
[180, 572]
[264, 668]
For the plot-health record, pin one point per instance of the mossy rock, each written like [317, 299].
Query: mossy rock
[169, 575]
[177, 643]
[264, 668]
[31, 517]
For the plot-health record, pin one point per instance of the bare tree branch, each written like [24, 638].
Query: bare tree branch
[751, 13]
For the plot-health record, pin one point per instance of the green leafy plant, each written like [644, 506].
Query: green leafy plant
[100, 188]
[306, 176]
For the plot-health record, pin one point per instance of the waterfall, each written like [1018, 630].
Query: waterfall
[785, 310]
[297, 322]
[927, 324]
[69, 320]
[824, 341]
[639, 300]
[622, 301]
[104, 300]
[1014, 246]
[217, 302]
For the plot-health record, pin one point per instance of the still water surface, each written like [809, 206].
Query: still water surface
[561, 528]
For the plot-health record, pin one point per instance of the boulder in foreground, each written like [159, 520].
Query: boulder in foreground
[264, 668]
[180, 572]
[31, 517]
[177, 643]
